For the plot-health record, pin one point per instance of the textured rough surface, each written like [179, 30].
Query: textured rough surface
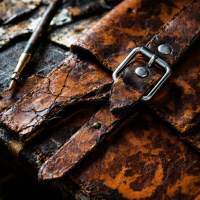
[74, 79]
[64, 35]
[68, 34]
[124, 36]
[193, 137]
[47, 58]
[133, 22]
[180, 32]
[32, 120]
[80, 144]
[62, 127]
[144, 160]
[9, 98]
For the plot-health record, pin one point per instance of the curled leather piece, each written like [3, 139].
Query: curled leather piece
[74, 80]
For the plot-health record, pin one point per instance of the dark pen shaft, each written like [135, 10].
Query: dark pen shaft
[34, 41]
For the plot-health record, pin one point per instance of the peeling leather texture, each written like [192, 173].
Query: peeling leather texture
[9, 98]
[143, 161]
[72, 81]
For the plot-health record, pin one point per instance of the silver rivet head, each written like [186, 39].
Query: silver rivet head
[165, 49]
[141, 71]
[96, 125]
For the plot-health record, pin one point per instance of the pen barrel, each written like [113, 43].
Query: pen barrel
[42, 27]
[85, 10]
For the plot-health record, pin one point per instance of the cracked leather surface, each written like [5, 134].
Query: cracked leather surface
[72, 81]
[9, 98]
[81, 143]
[143, 161]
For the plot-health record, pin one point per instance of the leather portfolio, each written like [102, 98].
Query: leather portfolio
[119, 118]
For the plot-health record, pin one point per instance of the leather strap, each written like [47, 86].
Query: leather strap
[86, 139]
[75, 80]
[180, 32]
[79, 78]
[81, 143]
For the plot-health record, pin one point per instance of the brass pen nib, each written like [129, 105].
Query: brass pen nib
[22, 62]
[12, 84]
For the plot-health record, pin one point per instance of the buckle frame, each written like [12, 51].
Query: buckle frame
[153, 58]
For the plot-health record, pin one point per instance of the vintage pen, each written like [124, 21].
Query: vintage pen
[34, 41]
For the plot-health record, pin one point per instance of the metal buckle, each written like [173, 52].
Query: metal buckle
[153, 58]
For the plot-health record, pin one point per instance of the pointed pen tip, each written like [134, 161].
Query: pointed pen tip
[12, 84]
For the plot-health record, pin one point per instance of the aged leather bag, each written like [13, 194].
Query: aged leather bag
[144, 146]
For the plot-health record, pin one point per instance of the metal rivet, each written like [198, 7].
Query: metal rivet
[141, 72]
[165, 49]
[96, 125]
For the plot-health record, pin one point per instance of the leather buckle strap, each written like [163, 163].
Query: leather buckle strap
[153, 58]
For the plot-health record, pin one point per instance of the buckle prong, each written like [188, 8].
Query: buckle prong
[153, 58]
[151, 61]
